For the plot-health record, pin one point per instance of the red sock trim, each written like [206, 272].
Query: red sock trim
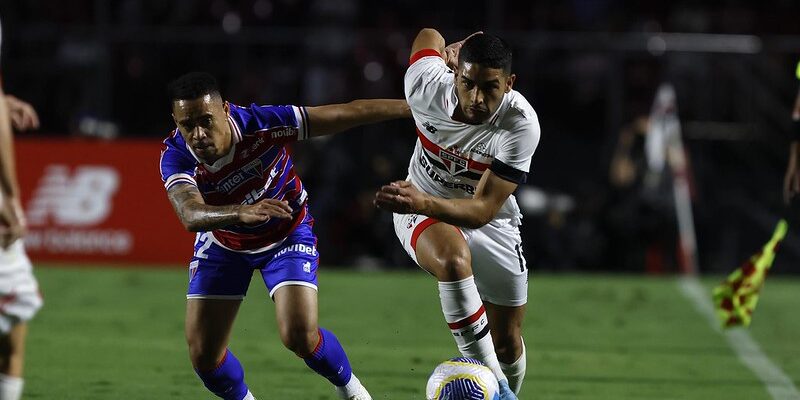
[467, 321]
[319, 344]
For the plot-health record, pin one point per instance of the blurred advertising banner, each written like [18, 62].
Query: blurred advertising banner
[92, 201]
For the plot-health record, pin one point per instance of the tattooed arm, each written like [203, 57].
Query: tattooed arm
[197, 216]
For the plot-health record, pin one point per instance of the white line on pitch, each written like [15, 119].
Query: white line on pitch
[779, 386]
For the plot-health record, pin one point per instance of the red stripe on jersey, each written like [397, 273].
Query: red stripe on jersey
[467, 321]
[435, 149]
[419, 229]
[423, 53]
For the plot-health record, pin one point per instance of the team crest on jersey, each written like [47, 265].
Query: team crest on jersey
[454, 163]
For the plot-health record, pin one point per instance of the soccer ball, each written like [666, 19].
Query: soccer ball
[462, 379]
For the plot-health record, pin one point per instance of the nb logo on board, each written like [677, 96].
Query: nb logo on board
[73, 198]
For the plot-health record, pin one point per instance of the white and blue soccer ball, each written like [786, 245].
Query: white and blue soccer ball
[462, 379]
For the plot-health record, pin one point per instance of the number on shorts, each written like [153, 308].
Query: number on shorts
[206, 241]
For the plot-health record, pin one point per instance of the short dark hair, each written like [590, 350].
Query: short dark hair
[192, 85]
[487, 50]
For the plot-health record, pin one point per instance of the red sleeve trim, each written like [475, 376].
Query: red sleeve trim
[423, 53]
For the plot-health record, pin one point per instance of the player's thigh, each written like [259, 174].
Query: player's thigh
[435, 246]
[296, 312]
[19, 289]
[501, 271]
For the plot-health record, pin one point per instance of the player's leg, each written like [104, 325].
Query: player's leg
[291, 275]
[208, 329]
[19, 302]
[296, 312]
[12, 354]
[506, 325]
[441, 250]
[218, 281]
[501, 273]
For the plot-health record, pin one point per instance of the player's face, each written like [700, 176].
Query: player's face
[203, 122]
[480, 90]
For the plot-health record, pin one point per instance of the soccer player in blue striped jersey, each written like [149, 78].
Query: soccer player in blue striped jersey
[231, 179]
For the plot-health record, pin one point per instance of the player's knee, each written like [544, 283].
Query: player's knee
[301, 340]
[203, 356]
[454, 267]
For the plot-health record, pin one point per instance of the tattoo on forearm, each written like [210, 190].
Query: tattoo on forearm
[198, 216]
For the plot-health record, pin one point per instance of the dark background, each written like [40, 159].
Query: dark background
[589, 68]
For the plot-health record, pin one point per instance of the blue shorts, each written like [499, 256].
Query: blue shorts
[219, 273]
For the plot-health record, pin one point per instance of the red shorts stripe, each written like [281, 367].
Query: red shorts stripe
[419, 229]
[435, 149]
[423, 53]
[467, 321]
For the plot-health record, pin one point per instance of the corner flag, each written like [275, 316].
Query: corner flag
[735, 299]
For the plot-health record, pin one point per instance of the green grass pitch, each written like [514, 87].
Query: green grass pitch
[118, 334]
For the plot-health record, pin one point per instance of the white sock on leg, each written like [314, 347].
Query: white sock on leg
[463, 310]
[515, 372]
[249, 396]
[10, 387]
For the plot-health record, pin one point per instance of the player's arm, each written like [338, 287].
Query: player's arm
[335, 118]
[23, 115]
[492, 191]
[12, 223]
[428, 38]
[197, 216]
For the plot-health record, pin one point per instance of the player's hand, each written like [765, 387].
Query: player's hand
[450, 55]
[400, 197]
[12, 222]
[263, 211]
[23, 115]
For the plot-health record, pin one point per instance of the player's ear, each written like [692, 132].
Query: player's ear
[226, 107]
[510, 82]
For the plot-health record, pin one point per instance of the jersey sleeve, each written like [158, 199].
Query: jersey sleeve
[284, 124]
[516, 147]
[177, 166]
[424, 79]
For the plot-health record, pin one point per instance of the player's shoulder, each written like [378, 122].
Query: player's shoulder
[426, 67]
[519, 113]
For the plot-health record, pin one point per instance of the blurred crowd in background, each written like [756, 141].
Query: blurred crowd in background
[590, 68]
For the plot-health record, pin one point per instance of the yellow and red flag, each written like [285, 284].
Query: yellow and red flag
[737, 296]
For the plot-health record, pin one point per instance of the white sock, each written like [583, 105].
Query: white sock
[463, 310]
[10, 387]
[516, 371]
[352, 388]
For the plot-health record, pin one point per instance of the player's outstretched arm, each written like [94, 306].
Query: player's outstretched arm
[12, 221]
[197, 216]
[335, 118]
[492, 191]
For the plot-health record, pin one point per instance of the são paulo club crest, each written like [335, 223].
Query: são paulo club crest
[455, 164]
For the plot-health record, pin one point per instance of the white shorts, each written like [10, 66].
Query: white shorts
[19, 291]
[499, 267]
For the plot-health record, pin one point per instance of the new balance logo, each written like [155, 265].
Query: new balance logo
[429, 127]
[81, 198]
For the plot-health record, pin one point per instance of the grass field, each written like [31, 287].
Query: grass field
[118, 334]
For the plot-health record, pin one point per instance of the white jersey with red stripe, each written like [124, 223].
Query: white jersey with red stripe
[450, 156]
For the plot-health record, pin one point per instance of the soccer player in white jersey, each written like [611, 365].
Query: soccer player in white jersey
[456, 215]
[19, 291]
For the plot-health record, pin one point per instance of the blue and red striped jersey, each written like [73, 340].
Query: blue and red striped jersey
[257, 167]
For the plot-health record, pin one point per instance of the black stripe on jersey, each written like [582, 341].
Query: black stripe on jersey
[306, 125]
[482, 333]
[466, 174]
[508, 173]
